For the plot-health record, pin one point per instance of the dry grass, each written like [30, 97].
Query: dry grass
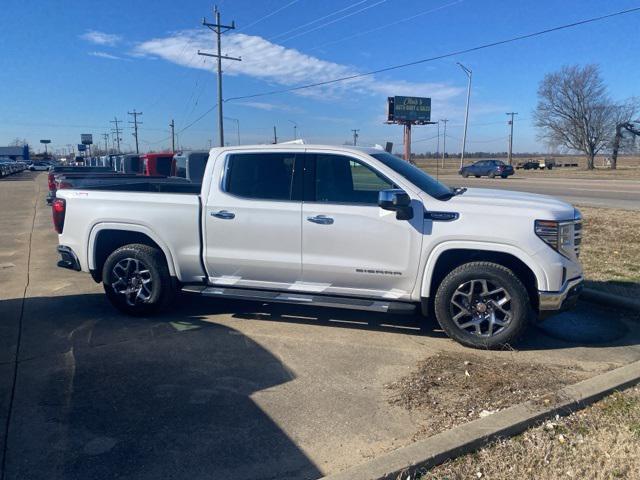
[611, 250]
[599, 442]
[452, 389]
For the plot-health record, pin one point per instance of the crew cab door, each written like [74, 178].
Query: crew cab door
[350, 246]
[252, 220]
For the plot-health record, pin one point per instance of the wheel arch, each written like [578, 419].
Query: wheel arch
[446, 257]
[107, 237]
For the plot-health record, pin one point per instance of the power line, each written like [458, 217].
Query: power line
[199, 118]
[304, 25]
[387, 25]
[368, 7]
[268, 15]
[438, 57]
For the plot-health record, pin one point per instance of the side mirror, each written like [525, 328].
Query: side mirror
[398, 201]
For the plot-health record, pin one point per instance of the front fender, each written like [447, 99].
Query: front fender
[541, 276]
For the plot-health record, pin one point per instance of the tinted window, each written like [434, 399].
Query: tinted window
[163, 166]
[267, 176]
[197, 164]
[341, 179]
[415, 176]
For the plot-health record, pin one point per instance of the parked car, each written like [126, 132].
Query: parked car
[60, 169]
[328, 226]
[190, 165]
[157, 164]
[487, 168]
[39, 166]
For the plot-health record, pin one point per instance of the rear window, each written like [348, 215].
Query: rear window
[266, 176]
[163, 166]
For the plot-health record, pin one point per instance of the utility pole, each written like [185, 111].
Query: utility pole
[511, 135]
[135, 126]
[117, 131]
[295, 129]
[173, 135]
[219, 29]
[444, 140]
[438, 147]
[275, 135]
[106, 143]
[466, 114]
[355, 136]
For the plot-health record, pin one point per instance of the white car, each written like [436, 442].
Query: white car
[329, 226]
[40, 166]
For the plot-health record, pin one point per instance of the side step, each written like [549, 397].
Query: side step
[385, 306]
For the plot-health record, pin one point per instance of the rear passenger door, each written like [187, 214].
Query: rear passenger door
[253, 220]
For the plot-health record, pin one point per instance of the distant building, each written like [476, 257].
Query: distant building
[15, 153]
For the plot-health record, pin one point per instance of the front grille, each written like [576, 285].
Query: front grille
[577, 236]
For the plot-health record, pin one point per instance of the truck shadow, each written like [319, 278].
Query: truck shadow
[104, 396]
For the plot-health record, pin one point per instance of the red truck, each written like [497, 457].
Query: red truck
[154, 164]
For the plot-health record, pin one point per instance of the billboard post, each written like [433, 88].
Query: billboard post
[408, 111]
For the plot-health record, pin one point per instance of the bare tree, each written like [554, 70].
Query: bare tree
[574, 110]
[624, 123]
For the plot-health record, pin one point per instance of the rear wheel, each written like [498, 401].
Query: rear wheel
[465, 174]
[136, 280]
[477, 176]
[504, 175]
[482, 305]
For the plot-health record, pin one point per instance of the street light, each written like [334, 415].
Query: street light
[295, 129]
[466, 114]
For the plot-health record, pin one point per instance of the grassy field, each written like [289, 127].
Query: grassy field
[628, 168]
[611, 250]
[599, 442]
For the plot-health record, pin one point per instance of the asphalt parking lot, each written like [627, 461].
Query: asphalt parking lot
[210, 389]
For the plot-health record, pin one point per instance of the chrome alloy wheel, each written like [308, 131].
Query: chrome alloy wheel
[131, 278]
[481, 307]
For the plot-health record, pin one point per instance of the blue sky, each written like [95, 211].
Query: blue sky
[69, 67]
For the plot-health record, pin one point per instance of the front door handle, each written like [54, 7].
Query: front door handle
[224, 215]
[321, 220]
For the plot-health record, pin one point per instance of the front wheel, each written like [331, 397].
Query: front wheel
[136, 280]
[482, 305]
[465, 174]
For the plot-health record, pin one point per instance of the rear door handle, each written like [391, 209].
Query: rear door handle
[224, 215]
[321, 220]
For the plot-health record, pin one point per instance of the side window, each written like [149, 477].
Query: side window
[342, 179]
[266, 176]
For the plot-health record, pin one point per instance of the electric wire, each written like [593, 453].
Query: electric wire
[437, 57]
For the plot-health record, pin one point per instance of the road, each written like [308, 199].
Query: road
[624, 194]
[210, 389]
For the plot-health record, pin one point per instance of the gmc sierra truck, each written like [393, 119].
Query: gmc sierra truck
[329, 226]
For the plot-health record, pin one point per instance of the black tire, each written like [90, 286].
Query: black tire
[154, 286]
[465, 174]
[504, 176]
[449, 295]
[477, 176]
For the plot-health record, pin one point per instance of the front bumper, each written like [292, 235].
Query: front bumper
[565, 299]
[68, 258]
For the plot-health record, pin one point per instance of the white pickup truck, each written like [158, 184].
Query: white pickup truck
[329, 226]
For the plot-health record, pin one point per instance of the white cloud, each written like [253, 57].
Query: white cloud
[105, 55]
[270, 107]
[281, 66]
[101, 38]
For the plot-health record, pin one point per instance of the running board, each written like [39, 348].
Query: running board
[384, 306]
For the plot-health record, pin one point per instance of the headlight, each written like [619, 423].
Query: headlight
[558, 235]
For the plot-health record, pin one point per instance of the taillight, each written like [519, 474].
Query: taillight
[51, 182]
[58, 208]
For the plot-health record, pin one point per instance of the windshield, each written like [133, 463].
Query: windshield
[416, 176]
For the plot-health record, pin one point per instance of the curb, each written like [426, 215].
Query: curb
[432, 451]
[610, 299]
